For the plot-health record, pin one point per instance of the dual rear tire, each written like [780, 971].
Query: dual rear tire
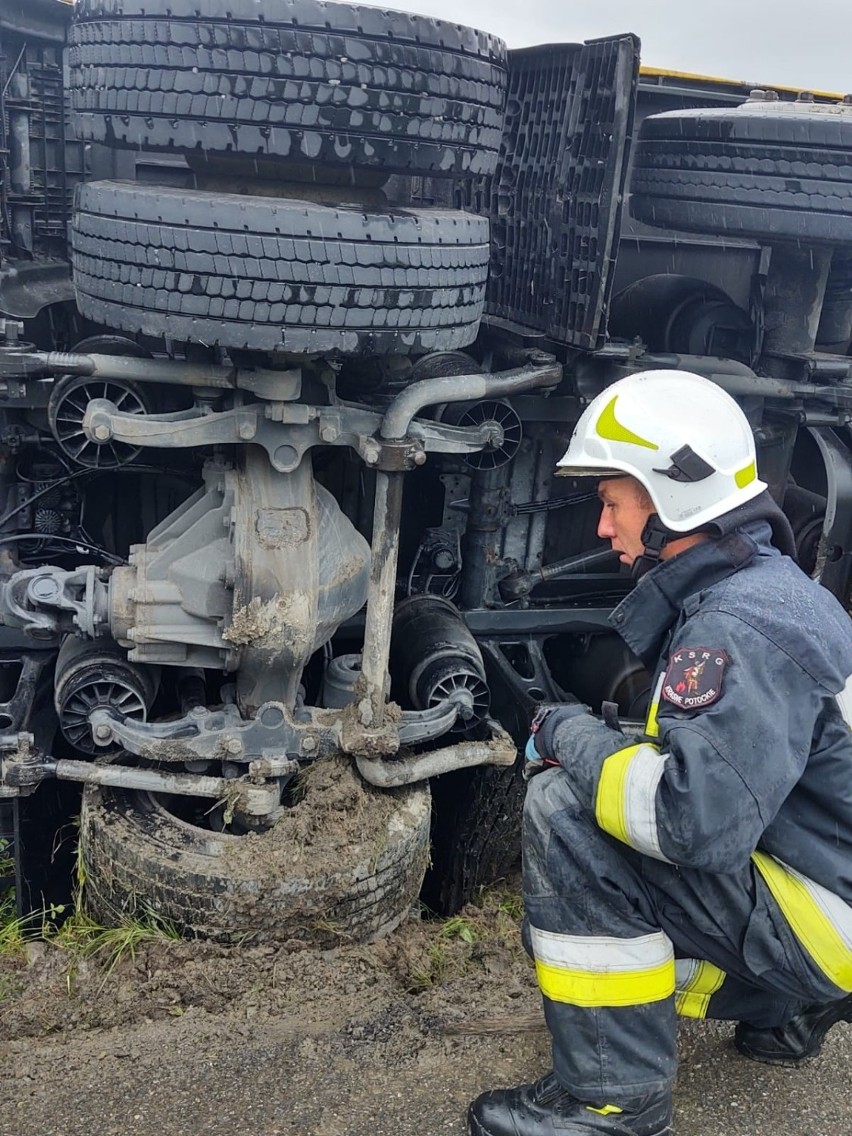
[772, 171]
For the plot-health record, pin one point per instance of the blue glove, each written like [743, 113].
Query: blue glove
[532, 762]
[538, 753]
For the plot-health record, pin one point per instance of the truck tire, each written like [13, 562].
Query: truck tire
[270, 273]
[770, 171]
[142, 859]
[310, 81]
[476, 834]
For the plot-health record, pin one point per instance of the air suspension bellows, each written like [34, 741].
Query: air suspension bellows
[434, 656]
[94, 676]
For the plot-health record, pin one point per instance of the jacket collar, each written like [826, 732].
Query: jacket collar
[644, 617]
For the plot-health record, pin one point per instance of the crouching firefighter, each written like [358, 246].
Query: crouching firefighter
[704, 867]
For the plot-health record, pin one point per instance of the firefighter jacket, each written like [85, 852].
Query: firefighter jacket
[747, 750]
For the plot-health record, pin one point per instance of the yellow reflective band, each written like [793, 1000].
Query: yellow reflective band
[799, 899]
[578, 987]
[610, 800]
[616, 988]
[610, 428]
[626, 797]
[745, 476]
[692, 997]
[607, 1110]
[652, 726]
[599, 970]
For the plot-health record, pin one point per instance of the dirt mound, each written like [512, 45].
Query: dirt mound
[391, 1039]
[435, 968]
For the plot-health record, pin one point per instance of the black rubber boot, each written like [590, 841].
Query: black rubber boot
[546, 1109]
[799, 1039]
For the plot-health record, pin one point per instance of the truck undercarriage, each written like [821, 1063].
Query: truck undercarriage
[297, 313]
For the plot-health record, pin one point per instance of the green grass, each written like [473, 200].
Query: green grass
[75, 932]
[82, 937]
[457, 927]
[14, 929]
[452, 947]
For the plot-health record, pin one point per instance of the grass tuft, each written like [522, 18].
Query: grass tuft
[75, 932]
[450, 948]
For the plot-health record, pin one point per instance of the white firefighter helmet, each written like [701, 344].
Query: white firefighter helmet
[680, 435]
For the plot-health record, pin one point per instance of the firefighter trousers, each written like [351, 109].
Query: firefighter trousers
[623, 943]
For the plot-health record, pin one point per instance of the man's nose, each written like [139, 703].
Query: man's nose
[606, 531]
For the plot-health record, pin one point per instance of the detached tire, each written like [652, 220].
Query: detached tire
[768, 170]
[303, 80]
[271, 273]
[351, 876]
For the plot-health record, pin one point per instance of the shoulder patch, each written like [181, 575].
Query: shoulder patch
[694, 677]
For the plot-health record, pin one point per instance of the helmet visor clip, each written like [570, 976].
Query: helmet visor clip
[687, 466]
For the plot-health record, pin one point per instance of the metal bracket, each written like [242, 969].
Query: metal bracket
[531, 688]
[285, 430]
[21, 767]
[221, 734]
[274, 733]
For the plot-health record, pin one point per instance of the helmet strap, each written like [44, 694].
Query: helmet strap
[655, 536]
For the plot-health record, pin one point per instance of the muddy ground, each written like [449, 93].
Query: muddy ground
[390, 1039]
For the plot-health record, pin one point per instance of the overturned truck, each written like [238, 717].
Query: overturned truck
[299, 304]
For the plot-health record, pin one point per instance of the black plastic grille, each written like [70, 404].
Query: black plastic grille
[555, 200]
[31, 92]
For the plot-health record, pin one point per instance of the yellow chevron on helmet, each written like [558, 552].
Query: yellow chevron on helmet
[680, 435]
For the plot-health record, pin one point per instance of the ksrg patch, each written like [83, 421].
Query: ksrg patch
[694, 677]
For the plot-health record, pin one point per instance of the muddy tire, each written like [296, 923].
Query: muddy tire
[319, 884]
[780, 172]
[272, 273]
[476, 834]
[308, 81]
